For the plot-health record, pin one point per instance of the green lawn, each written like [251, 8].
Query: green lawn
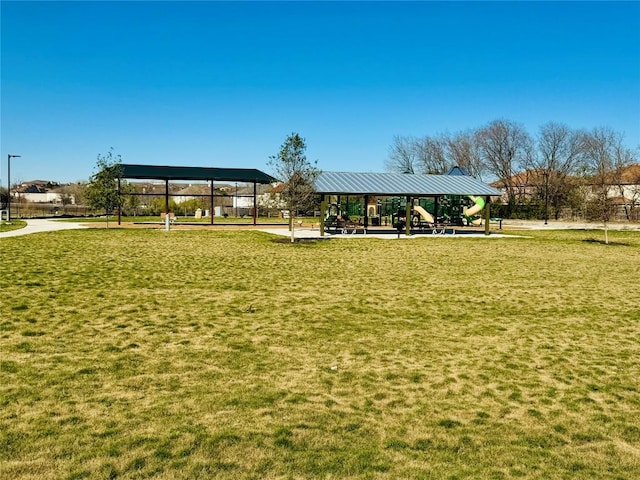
[12, 225]
[213, 354]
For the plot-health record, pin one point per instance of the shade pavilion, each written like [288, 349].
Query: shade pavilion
[410, 186]
[209, 174]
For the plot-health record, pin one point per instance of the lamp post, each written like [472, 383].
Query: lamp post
[9, 157]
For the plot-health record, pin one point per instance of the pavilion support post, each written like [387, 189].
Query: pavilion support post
[212, 212]
[366, 213]
[487, 214]
[255, 203]
[166, 196]
[408, 216]
[435, 211]
[323, 211]
[119, 203]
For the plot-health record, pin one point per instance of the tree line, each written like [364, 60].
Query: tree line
[503, 150]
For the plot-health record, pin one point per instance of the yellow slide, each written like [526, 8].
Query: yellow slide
[477, 208]
[426, 216]
[479, 205]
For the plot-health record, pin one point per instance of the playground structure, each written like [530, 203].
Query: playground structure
[426, 213]
[380, 198]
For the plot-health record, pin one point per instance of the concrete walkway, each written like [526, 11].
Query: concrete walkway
[38, 225]
[565, 225]
[47, 225]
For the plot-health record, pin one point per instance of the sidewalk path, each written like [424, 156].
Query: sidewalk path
[46, 225]
[38, 225]
[565, 225]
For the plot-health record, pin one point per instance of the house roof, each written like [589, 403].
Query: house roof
[523, 179]
[631, 174]
[199, 189]
[400, 184]
[160, 172]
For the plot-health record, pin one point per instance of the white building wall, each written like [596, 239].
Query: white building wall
[48, 197]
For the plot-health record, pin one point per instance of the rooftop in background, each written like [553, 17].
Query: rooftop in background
[160, 172]
[629, 175]
[336, 183]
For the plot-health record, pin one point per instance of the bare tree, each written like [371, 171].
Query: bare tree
[606, 157]
[630, 185]
[559, 155]
[557, 168]
[432, 155]
[435, 154]
[462, 150]
[623, 158]
[504, 147]
[402, 155]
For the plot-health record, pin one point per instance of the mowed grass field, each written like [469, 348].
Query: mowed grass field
[203, 354]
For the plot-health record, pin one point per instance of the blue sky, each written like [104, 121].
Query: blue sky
[222, 84]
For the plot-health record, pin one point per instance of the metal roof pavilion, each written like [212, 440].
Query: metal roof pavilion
[209, 174]
[343, 183]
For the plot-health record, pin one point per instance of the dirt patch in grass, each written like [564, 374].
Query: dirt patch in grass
[602, 242]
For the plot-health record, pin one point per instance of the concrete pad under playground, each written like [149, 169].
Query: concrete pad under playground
[310, 233]
[521, 225]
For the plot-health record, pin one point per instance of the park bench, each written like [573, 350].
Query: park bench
[497, 220]
[335, 224]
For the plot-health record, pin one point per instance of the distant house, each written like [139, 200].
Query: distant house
[192, 192]
[229, 199]
[271, 198]
[623, 189]
[266, 197]
[525, 185]
[41, 191]
[627, 183]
